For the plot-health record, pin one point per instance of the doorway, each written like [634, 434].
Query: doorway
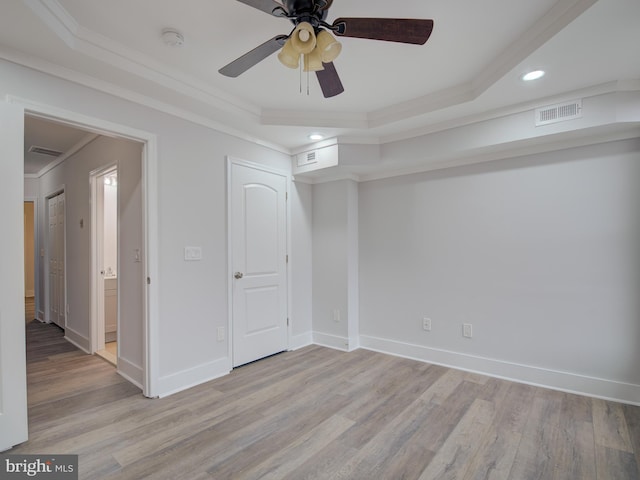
[104, 186]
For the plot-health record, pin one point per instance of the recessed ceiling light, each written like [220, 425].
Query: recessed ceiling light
[316, 136]
[533, 75]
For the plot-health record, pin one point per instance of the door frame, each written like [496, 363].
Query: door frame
[246, 163]
[96, 324]
[36, 254]
[47, 294]
[150, 258]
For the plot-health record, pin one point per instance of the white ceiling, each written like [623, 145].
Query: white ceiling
[49, 135]
[471, 64]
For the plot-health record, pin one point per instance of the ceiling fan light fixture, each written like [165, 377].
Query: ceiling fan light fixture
[313, 61]
[328, 46]
[303, 38]
[289, 56]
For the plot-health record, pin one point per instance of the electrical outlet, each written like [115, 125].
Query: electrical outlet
[221, 334]
[467, 330]
[426, 324]
[336, 315]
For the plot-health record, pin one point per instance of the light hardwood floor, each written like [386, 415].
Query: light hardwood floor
[317, 413]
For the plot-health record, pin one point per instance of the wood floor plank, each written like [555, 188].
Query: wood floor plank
[299, 451]
[575, 443]
[535, 458]
[632, 418]
[615, 464]
[454, 457]
[610, 426]
[318, 413]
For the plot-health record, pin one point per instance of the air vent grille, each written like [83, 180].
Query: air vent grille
[44, 151]
[307, 158]
[558, 113]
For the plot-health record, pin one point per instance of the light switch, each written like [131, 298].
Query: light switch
[192, 253]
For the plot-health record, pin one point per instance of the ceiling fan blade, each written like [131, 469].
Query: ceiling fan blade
[329, 81]
[255, 56]
[268, 6]
[403, 30]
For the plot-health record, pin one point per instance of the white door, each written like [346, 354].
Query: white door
[259, 263]
[61, 280]
[56, 292]
[13, 375]
[52, 250]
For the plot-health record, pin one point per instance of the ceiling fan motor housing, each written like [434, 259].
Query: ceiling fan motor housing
[310, 11]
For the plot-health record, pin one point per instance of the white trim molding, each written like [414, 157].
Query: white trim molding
[77, 339]
[530, 375]
[331, 341]
[185, 379]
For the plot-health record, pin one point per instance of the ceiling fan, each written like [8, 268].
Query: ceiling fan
[312, 38]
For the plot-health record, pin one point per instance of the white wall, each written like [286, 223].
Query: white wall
[539, 253]
[301, 268]
[192, 211]
[131, 275]
[335, 264]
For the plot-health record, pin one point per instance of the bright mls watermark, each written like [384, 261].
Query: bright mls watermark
[51, 467]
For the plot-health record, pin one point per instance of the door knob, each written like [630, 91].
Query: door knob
[238, 275]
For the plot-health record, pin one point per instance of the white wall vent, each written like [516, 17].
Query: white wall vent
[558, 113]
[307, 158]
[44, 151]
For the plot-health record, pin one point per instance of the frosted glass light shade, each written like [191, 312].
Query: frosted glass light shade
[313, 61]
[303, 38]
[328, 46]
[289, 56]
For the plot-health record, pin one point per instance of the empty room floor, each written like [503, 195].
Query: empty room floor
[318, 413]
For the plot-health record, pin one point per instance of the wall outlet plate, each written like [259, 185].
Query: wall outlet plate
[192, 254]
[426, 324]
[467, 330]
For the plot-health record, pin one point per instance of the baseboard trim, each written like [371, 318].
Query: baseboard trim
[77, 339]
[530, 375]
[301, 341]
[131, 372]
[331, 341]
[179, 381]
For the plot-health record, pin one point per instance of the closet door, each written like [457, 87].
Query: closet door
[52, 250]
[62, 311]
[56, 260]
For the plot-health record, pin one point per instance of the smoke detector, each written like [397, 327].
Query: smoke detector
[172, 37]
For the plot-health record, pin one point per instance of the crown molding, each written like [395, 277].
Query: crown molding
[601, 89]
[314, 119]
[78, 78]
[558, 17]
[85, 41]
